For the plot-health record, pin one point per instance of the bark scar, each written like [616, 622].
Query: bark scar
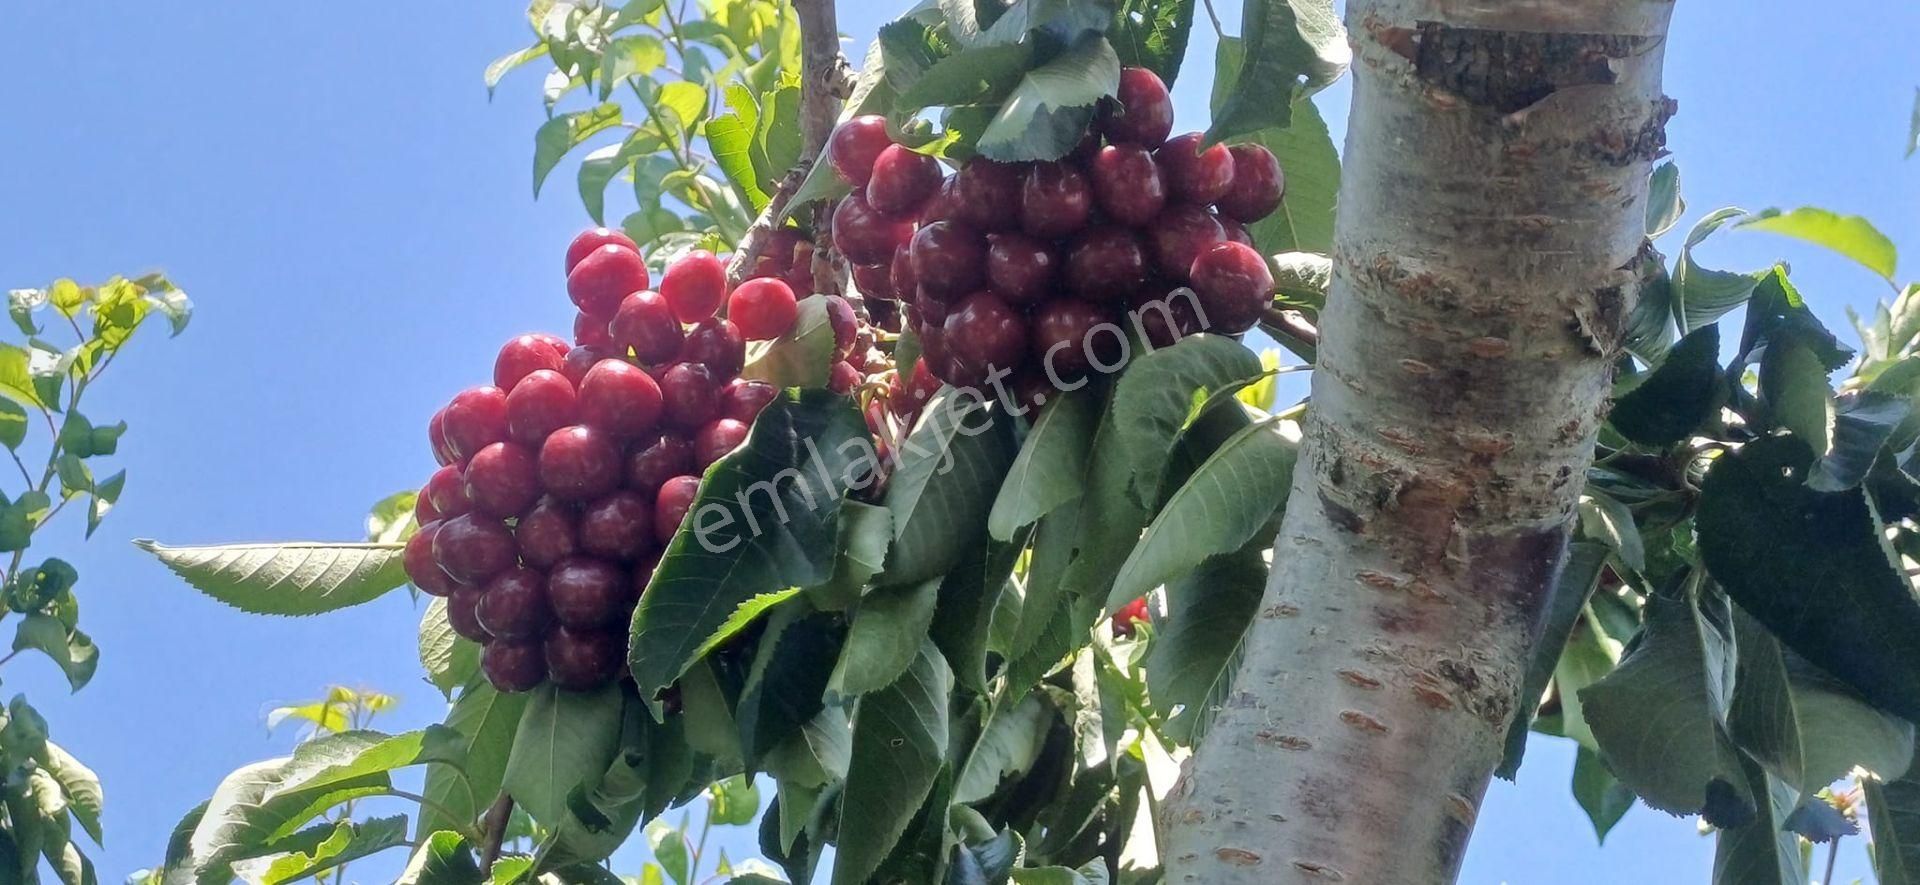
[1509, 71]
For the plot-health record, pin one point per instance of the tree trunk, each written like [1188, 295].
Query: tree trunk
[1490, 211]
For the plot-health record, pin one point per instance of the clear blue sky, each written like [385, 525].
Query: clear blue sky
[354, 221]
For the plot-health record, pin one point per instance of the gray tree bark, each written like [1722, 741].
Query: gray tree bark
[1491, 206]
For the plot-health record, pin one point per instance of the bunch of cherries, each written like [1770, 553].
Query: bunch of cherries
[1010, 269]
[562, 481]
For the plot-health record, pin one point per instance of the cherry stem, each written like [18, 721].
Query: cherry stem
[494, 830]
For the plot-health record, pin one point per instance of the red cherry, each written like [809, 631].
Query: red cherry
[547, 534]
[581, 360]
[716, 439]
[1055, 200]
[503, 479]
[423, 571]
[718, 345]
[777, 255]
[559, 344]
[1258, 185]
[473, 548]
[900, 272]
[694, 285]
[586, 592]
[843, 378]
[988, 195]
[1022, 269]
[1234, 285]
[619, 398]
[844, 323]
[464, 616]
[863, 234]
[1106, 264]
[1127, 620]
[667, 457]
[618, 527]
[1181, 234]
[922, 386]
[437, 439]
[1127, 184]
[514, 666]
[1235, 231]
[1194, 174]
[590, 331]
[690, 395]
[476, 418]
[594, 238]
[579, 463]
[929, 311]
[856, 145]
[670, 506]
[982, 331]
[446, 490]
[604, 277]
[902, 180]
[1142, 110]
[799, 278]
[522, 357]
[875, 281]
[944, 205]
[540, 404]
[645, 324]
[949, 259]
[762, 310]
[1070, 336]
[423, 510]
[1163, 314]
[743, 399]
[579, 660]
[514, 605]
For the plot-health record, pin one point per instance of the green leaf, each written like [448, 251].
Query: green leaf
[801, 358]
[1812, 567]
[788, 679]
[1047, 114]
[565, 739]
[1601, 796]
[1604, 518]
[743, 617]
[889, 627]
[1579, 575]
[1009, 743]
[449, 659]
[296, 578]
[866, 531]
[443, 858]
[1157, 399]
[16, 380]
[1680, 393]
[765, 520]
[1196, 651]
[969, 595]
[486, 721]
[499, 67]
[349, 841]
[1793, 386]
[1061, 20]
[391, 519]
[1761, 852]
[1700, 295]
[85, 800]
[1152, 34]
[974, 75]
[1296, 47]
[1862, 423]
[564, 133]
[669, 849]
[1893, 812]
[1050, 466]
[1660, 716]
[1849, 235]
[1665, 205]
[13, 424]
[1094, 872]
[600, 166]
[949, 470]
[70, 650]
[899, 740]
[731, 138]
[628, 56]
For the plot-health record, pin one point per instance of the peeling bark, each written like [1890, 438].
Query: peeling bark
[1491, 207]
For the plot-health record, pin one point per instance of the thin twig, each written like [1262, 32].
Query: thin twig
[1833, 855]
[494, 830]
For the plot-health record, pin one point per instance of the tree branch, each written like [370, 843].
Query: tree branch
[824, 83]
[493, 829]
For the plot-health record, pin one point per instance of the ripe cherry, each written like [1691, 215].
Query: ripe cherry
[1258, 184]
[423, 510]
[464, 616]
[929, 311]
[944, 205]
[590, 331]
[646, 325]
[547, 534]
[1181, 234]
[581, 360]
[503, 479]
[949, 259]
[521, 357]
[844, 323]
[718, 344]
[1022, 269]
[983, 331]
[1162, 313]
[437, 439]
[671, 504]
[694, 286]
[690, 395]
[540, 404]
[856, 145]
[422, 569]
[476, 418]
[473, 548]
[667, 457]
[1142, 110]
[619, 398]
[863, 234]
[1070, 336]
[446, 489]
[1055, 200]
[604, 277]
[514, 605]
[1129, 618]
[1106, 264]
[586, 592]
[920, 387]
[618, 527]
[579, 463]
[900, 272]
[1195, 174]
[777, 254]
[843, 378]
[875, 281]
[514, 666]
[578, 660]
[902, 180]
[743, 399]
[799, 278]
[988, 195]
[1127, 184]
[716, 439]
[1235, 286]
[762, 310]
[1235, 231]
[594, 238]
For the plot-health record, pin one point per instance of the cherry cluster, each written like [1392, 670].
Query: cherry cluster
[1036, 271]
[562, 481]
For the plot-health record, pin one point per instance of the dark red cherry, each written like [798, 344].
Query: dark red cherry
[594, 238]
[579, 463]
[1055, 200]
[1235, 287]
[1195, 174]
[503, 480]
[646, 325]
[514, 666]
[1022, 269]
[983, 331]
[856, 145]
[547, 533]
[1180, 235]
[473, 548]
[1258, 185]
[1070, 336]
[902, 181]
[949, 259]
[718, 344]
[988, 194]
[423, 571]
[863, 234]
[1127, 184]
[1141, 112]
[618, 527]
[1106, 264]
[578, 660]
[514, 605]
[586, 592]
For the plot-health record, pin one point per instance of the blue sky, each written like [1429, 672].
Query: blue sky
[354, 221]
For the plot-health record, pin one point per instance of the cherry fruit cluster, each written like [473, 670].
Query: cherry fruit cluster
[1036, 271]
[562, 481]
